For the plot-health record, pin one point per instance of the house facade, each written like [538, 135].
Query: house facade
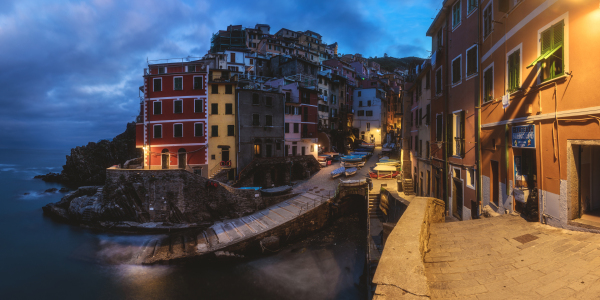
[172, 127]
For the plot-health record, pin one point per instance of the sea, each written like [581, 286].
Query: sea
[41, 258]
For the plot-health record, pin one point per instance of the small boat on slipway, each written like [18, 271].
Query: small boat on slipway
[337, 172]
[350, 171]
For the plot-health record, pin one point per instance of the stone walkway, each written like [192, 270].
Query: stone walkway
[508, 258]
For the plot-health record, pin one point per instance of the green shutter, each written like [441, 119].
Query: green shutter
[449, 134]
[559, 34]
[546, 41]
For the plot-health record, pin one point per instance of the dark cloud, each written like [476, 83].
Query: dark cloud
[71, 70]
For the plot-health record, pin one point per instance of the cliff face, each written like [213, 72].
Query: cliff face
[87, 164]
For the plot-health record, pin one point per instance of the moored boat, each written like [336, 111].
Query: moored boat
[350, 171]
[337, 172]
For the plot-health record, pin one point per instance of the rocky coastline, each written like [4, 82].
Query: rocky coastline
[86, 165]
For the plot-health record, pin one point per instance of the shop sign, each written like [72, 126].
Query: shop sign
[523, 136]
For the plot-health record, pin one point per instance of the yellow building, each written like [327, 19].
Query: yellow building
[221, 123]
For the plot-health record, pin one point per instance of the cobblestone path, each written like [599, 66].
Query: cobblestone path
[508, 258]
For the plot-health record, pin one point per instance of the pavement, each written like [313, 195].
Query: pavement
[507, 257]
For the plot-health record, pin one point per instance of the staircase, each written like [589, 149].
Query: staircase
[215, 170]
[407, 187]
[374, 211]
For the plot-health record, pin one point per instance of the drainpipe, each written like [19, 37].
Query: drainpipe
[478, 101]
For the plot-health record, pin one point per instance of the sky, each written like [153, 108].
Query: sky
[70, 70]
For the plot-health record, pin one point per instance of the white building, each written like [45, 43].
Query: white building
[368, 113]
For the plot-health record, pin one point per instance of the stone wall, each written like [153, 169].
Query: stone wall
[401, 272]
[278, 171]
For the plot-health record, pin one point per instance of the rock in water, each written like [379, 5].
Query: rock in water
[52, 190]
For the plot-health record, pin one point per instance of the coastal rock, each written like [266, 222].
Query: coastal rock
[51, 190]
[87, 165]
[64, 190]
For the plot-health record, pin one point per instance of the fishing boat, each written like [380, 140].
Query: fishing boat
[280, 190]
[388, 163]
[337, 172]
[254, 188]
[356, 153]
[351, 164]
[322, 161]
[350, 171]
[384, 172]
[352, 158]
[334, 155]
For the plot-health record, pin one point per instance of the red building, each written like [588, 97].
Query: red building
[172, 126]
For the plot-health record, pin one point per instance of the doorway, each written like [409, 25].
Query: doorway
[525, 193]
[303, 150]
[588, 162]
[495, 185]
[181, 158]
[457, 194]
[165, 159]
[225, 155]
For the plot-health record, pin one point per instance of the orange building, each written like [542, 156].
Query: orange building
[540, 116]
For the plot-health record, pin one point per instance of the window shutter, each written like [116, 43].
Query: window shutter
[427, 112]
[546, 41]
[449, 134]
[439, 128]
[559, 32]
[517, 64]
[462, 133]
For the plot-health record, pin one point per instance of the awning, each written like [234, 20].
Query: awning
[544, 56]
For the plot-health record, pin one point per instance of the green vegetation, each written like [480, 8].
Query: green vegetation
[390, 63]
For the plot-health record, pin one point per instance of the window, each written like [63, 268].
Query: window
[229, 89]
[361, 113]
[369, 113]
[177, 130]
[287, 127]
[456, 14]
[368, 126]
[251, 61]
[471, 177]
[198, 105]
[439, 127]
[369, 103]
[427, 149]
[269, 101]
[268, 120]
[213, 157]
[456, 136]
[157, 84]
[277, 146]
[359, 103]
[359, 93]
[472, 5]
[178, 106]
[514, 70]
[214, 88]
[198, 129]
[214, 109]
[487, 20]
[257, 148]
[214, 131]
[552, 52]
[178, 83]
[232, 56]
[488, 84]
[428, 80]
[157, 107]
[296, 128]
[230, 130]
[472, 61]
[305, 117]
[255, 99]
[198, 83]
[162, 70]
[420, 118]
[427, 112]
[255, 119]
[191, 68]
[157, 131]
[232, 68]
[228, 109]
[304, 129]
[457, 70]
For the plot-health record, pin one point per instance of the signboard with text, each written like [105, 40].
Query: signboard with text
[523, 136]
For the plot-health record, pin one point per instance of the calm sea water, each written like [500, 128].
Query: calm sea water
[43, 259]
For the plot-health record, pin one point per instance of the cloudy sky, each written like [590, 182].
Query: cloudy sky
[71, 69]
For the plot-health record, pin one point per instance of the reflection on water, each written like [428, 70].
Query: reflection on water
[43, 259]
